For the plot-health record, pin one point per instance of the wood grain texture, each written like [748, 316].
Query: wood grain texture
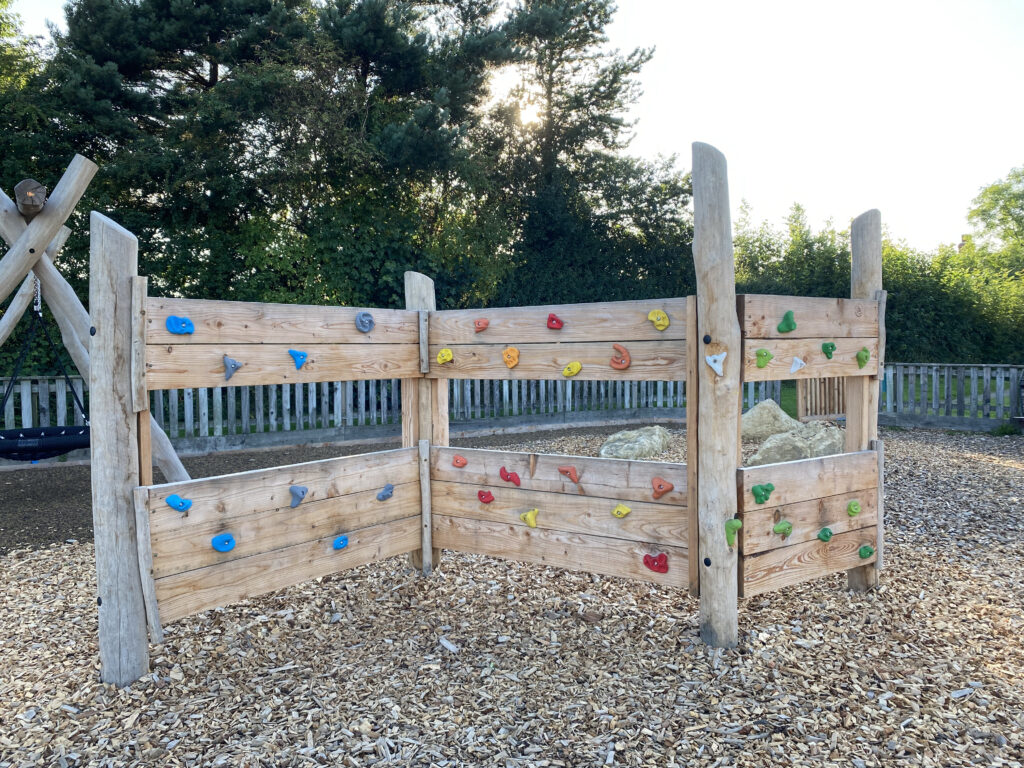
[599, 478]
[651, 361]
[425, 507]
[188, 593]
[802, 562]
[202, 365]
[613, 321]
[808, 518]
[140, 396]
[658, 523]
[843, 362]
[574, 551]
[808, 479]
[144, 545]
[816, 318]
[243, 322]
[692, 442]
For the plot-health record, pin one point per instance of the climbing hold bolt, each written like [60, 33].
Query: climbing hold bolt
[445, 356]
[570, 472]
[788, 323]
[829, 348]
[181, 326]
[364, 322]
[530, 518]
[762, 492]
[459, 461]
[661, 487]
[341, 542]
[174, 501]
[764, 356]
[511, 357]
[825, 534]
[386, 492]
[485, 496]
[230, 366]
[716, 362]
[659, 318]
[298, 357]
[572, 369]
[223, 542]
[621, 361]
[298, 493]
[621, 510]
[797, 365]
[731, 527]
[554, 322]
[480, 324]
[866, 551]
[863, 355]
[853, 508]
[657, 563]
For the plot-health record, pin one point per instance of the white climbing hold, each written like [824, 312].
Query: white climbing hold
[797, 365]
[716, 362]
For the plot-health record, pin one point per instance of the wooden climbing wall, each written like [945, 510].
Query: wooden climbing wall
[575, 524]
[811, 496]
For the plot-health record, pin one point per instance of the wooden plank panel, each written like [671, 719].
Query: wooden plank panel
[803, 562]
[601, 478]
[574, 551]
[187, 547]
[242, 322]
[843, 362]
[808, 479]
[808, 518]
[263, 489]
[187, 593]
[614, 321]
[563, 512]
[825, 319]
[651, 360]
[202, 365]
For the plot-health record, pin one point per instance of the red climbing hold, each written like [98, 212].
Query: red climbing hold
[481, 324]
[553, 322]
[459, 461]
[509, 477]
[485, 496]
[658, 563]
[571, 473]
[661, 487]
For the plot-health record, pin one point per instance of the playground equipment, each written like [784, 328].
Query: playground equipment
[171, 550]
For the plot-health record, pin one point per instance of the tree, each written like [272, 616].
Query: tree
[998, 211]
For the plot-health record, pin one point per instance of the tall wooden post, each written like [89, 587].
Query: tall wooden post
[113, 262]
[862, 391]
[718, 416]
[424, 403]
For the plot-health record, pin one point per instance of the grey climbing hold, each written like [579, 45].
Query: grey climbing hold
[364, 322]
[298, 494]
[386, 492]
[230, 366]
[716, 362]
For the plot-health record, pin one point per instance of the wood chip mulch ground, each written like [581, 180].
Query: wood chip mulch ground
[489, 663]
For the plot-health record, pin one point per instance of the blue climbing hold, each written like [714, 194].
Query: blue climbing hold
[341, 542]
[176, 502]
[223, 542]
[230, 366]
[298, 494]
[298, 357]
[386, 492]
[181, 326]
[364, 322]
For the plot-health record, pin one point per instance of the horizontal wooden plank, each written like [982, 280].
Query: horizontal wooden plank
[818, 366]
[802, 562]
[651, 361]
[186, 593]
[807, 519]
[215, 499]
[202, 365]
[657, 523]
[808, 479]
[601, 478]
[613, 321]
[574, 551]
[815, 318]
[187, 547]
[242, 322]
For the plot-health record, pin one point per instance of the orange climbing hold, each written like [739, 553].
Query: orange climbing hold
[571, 473]
[661, 487]
[621, 361]
[511, 357]
[459, 461]
[481, 324]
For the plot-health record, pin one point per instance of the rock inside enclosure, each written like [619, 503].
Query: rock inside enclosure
[766, 419]
[636, 443]
[806, 441]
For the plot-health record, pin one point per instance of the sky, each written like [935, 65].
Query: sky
[908, 106]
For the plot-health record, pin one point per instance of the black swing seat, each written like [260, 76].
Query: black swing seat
[36, 443]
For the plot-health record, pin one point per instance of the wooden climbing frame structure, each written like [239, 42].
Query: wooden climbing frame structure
[166, 551]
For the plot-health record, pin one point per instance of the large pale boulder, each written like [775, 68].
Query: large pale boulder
[807, 441]
[766, 419]
[636, 443]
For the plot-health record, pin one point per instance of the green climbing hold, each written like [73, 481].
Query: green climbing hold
[788, 322]
[829, 347]
[731, 526]
[825, 534]
[866, 551]
[783, 528]
[763, 356]
[863, 356]
[853, 508]
[762, 492]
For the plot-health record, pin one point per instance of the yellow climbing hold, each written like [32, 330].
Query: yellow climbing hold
[530, 518]
[511, 357]
[621, 510]
[572, 369]
[659, 318]
[445, 356]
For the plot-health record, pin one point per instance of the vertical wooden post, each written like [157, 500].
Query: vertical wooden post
[113, 261]
[717, 413]
[693, 346]
[424, 401]
[862, 391]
